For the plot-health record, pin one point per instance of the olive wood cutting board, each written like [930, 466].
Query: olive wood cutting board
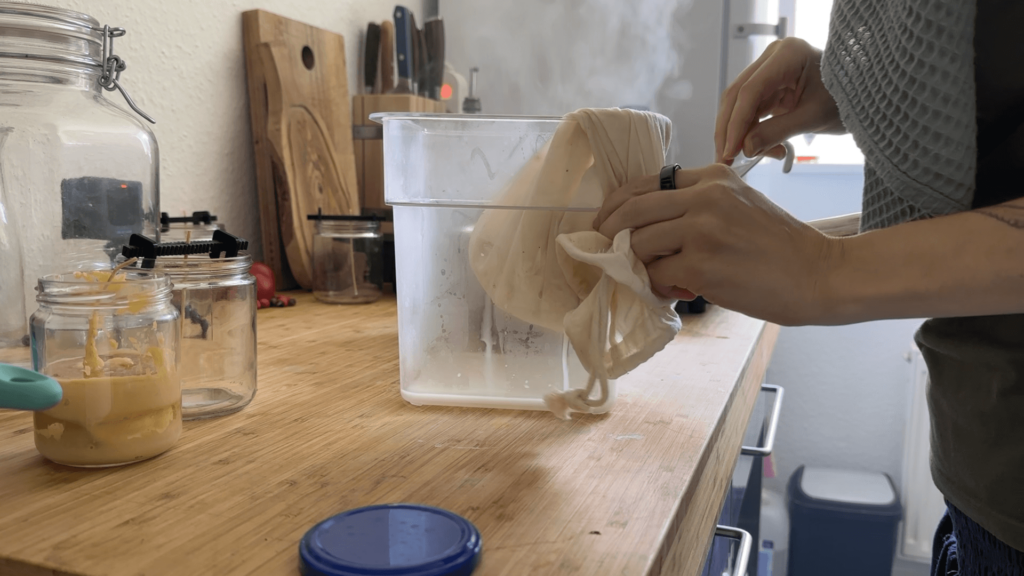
[302, 136]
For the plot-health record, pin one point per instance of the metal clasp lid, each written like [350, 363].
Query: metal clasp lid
[113, 65]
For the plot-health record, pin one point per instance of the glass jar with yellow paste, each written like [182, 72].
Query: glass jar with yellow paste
[111, 341]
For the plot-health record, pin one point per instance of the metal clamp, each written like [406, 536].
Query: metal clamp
[113, 65]
[747, 30]
[739, 566]
[773, 425]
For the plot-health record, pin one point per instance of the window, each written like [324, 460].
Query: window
[810, 20]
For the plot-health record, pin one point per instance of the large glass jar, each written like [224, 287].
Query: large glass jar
[111, 341]
[13, 327]
[80, 170]
[346, 259]
[216, 299]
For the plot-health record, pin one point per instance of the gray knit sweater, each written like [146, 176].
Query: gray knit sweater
[902, 74]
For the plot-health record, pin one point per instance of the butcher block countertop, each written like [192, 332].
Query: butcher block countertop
[636, 491]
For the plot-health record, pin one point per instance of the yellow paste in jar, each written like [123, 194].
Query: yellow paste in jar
[117, 408]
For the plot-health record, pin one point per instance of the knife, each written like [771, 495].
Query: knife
[403, 48]
[387, 57]
[418, 55]
[433, 32]
[423, 61]
[372, 49]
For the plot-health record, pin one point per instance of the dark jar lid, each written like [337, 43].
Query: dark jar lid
[391, 540]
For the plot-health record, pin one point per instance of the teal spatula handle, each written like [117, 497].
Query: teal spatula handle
[23, 389]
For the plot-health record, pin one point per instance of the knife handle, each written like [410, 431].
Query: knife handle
[417, 54]
[387, 56]
[423, 75]
[433, 32]
[403, 42]
[372, 49]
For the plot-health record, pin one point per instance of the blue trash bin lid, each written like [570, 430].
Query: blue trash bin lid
[848, 486]
[391, 540]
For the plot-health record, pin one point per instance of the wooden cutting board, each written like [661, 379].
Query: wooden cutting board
[302, 135]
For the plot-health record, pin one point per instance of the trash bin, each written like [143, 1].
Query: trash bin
[842, 522]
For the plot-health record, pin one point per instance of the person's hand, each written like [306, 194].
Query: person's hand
[719, 238]
[785, 82]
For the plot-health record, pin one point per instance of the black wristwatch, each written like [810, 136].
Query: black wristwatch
[668, 176]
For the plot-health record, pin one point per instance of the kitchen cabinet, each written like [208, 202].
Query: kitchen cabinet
[635, 491]
[741, 507]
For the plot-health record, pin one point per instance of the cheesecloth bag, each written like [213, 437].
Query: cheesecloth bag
[552, 269]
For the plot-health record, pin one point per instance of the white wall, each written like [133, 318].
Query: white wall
[542, 57]
[186, 68]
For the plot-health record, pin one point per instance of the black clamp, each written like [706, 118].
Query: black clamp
[147, 250]
[197, 218]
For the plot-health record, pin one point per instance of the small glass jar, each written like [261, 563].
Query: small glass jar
[113, 347]
[195, 228]
[216, 299]
[346, 259]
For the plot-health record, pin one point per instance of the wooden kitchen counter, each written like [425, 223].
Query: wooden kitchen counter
[636, 491]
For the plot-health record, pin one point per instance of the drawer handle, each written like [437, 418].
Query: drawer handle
[739, 566]
[773, 425]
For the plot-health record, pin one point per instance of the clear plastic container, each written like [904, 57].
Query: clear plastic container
[113, 347]
[80, 169]
[218, 332]
[346, 259]
[456, 348]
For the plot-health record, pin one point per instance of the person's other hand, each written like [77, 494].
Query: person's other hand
[719, 238]
[785, 82]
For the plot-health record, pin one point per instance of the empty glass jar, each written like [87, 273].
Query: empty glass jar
[197, 227]
[113, 347]
[346, 259]
[216, 298]
[80, 171]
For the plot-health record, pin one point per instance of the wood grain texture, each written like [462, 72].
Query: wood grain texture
[680, 556]
[256, 30]
[636, 491]
[308, 130]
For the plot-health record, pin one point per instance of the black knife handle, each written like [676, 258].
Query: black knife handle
[433, 31]
[372, 48]
[403, 42]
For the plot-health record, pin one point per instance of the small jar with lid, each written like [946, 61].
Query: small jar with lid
[111, 342]
[197, 227]
[346, 259]
[216, 299]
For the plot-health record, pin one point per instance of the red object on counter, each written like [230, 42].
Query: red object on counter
[265, 285]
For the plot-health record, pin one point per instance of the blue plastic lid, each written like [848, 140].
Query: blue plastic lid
[391, 540]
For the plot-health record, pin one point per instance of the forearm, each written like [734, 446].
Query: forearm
[968, 264]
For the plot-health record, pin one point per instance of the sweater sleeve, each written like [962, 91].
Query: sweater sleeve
[902, 75]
